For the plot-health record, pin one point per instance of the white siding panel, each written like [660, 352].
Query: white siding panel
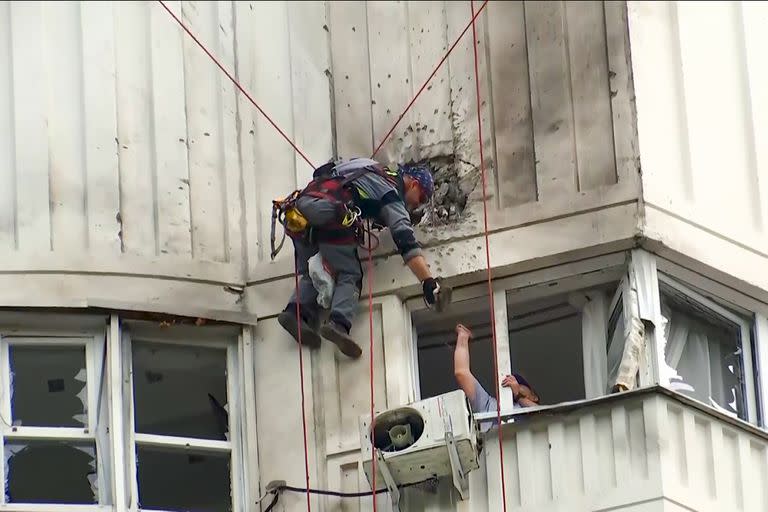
[701, 106]
[33, 216]
[64, 104]
[100, 130]
[8, 240]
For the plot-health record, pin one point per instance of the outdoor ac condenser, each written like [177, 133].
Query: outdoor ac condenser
[431, 438]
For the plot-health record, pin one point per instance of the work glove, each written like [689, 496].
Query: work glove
[435, 295]
[431, 289]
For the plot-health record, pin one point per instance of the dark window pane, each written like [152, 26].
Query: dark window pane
[180, 390]
[48, 386]
[436, 333]
[183, 480]
[50, 472]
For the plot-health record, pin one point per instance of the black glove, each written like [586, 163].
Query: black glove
[431, 289]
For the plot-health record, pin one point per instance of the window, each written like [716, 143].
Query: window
[182, 390]
[545, 346]
[95, 416]
[436, 341]
[53, 418]
[551, 328]
[707, 351]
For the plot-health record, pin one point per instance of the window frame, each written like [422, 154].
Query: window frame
[220, 338]
[67, 334]
[580, 276]
[640, 272]
[745, 328]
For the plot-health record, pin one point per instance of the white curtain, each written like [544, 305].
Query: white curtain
[702, 361]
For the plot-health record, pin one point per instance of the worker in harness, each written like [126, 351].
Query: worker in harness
[326, 217]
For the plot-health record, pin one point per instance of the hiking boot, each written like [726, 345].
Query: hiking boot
[309, 337]
[338, 335]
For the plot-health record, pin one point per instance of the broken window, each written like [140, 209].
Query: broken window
[50, 472]
[181, 426]
[180, 390]
[51, 429]
[704, 351]
[48, 386]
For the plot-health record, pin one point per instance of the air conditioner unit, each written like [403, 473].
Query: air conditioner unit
[431, 438]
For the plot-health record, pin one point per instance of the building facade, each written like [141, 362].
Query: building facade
[142, 365]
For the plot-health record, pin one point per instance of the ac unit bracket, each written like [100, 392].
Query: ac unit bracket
[460, 479]
[394, 492]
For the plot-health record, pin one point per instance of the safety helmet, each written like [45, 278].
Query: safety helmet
[422, 175]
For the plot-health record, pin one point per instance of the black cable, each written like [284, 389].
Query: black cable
[339, 494]
[273, 502]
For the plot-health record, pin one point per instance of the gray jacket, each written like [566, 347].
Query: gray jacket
[388, 205]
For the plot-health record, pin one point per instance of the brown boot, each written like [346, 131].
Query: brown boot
[309, 337]
[336, 334]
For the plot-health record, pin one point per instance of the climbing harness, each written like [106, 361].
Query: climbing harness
[331, 187]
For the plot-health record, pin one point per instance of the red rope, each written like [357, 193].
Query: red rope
[370, 329]
[301, 382]
[236, 83]
[488, 254]
[431, 76]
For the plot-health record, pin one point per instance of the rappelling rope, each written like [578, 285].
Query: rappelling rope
[488, 255]
[370, 248]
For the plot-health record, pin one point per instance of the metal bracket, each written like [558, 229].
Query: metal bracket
[394, 492]
[460, 479]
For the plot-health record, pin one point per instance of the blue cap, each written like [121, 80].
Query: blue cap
[422, 175]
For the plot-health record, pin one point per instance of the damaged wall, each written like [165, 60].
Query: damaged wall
[155, 177]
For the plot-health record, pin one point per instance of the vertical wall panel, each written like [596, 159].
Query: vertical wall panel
[511, 103]
[8, 141]
[346, 392]
[65, 122]
[205, 132]
[754, 17]
[33, 221]
[715, 122]
[551, 99]
[390, 78]
[463, 92]
[229, 122]
[351, 78]
[310, 85]
[431, 112]
[588, 66]
[135, 129]
[169, 119]
[100, 130]
[272, 82]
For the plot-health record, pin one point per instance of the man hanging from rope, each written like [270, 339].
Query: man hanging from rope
[326, 216]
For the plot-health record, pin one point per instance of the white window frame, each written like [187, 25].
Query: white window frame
[94, 341]
[580, 276]
[745, 329]
[224, 339]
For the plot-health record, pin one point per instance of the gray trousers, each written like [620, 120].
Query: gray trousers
[342, 258]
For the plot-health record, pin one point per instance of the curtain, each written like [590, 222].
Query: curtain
[703, 360]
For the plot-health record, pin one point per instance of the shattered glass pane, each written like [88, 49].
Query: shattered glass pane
[49, 388]
[183, 480]
[180, 390]
[50, 472]
[703, 355]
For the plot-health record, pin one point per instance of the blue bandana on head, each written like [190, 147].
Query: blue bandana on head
[422, 175]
